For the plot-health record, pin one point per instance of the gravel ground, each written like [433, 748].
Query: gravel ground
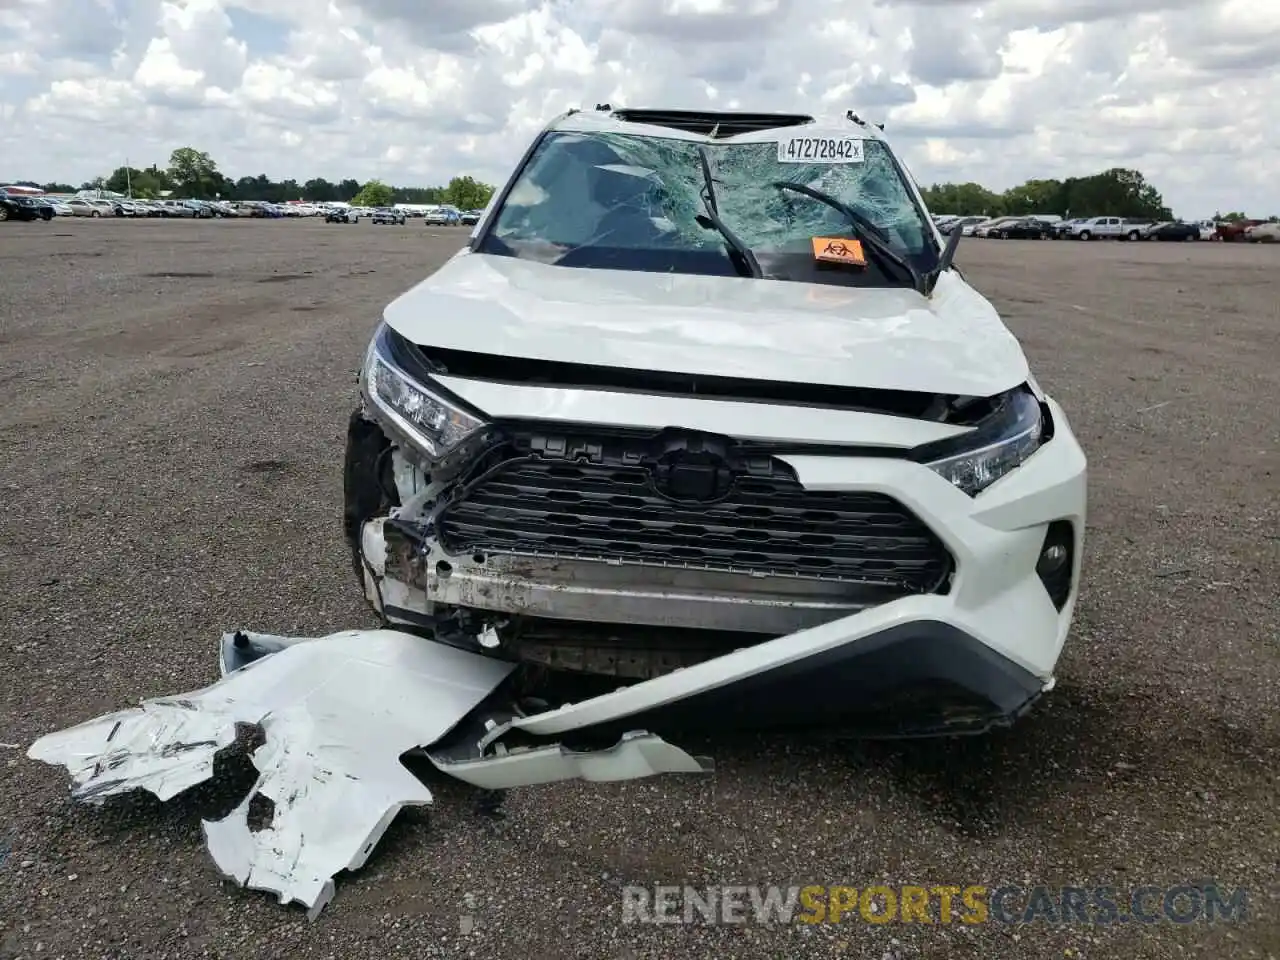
[177, 395]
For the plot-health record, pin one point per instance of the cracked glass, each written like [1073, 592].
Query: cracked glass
[592, 199]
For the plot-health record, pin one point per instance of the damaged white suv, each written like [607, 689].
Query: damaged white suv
[705, 412]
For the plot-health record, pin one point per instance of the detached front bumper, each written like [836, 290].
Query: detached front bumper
[974, 654]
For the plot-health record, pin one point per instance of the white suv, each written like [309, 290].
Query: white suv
[705, 421]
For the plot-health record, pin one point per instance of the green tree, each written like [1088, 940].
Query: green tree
[1117, 192]
[467, 193]
[1034, 196]
[54, 187]
[348, 188]
[319, 190]
[147, 184]
[194, 174]
[420, 195]
[375, 193]
[961, 199]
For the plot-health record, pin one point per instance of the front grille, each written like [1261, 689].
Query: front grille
[608, 509]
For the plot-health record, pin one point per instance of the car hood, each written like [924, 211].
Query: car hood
[888, 338]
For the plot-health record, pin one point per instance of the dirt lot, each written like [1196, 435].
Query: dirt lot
[175, 403]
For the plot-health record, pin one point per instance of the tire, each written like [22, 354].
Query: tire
[1134, 235]
[94, 214]
[1085, 235]
[4, 214]
[1002, 235]
[46, 215]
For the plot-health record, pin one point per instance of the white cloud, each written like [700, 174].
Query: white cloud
[996, 91]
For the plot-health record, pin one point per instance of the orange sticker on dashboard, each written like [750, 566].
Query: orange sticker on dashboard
[838, 250]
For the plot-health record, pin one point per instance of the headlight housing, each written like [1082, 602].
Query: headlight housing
[422, 416]
[978, 459]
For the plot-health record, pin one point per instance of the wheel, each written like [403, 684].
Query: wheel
[4, 214]
[94, 214]
[46, 215]
[1085, 234]
[1002, 235]
[1134, 235]
[1041, 236]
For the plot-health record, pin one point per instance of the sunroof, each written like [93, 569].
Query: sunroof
[726, 124]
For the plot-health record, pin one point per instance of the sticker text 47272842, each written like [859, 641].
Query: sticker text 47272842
[820, 150]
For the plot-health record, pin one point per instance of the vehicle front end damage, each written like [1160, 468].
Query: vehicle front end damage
[702, 429]
[894, 562]
[330, 720]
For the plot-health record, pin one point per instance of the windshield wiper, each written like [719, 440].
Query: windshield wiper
[944, 262]
[873, 235]
[713, 217]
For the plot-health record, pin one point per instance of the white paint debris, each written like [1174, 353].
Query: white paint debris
[636, 755]
[337, 713]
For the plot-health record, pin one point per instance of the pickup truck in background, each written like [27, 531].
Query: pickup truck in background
[1108, 228]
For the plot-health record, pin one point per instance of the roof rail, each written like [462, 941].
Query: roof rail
[727, 123]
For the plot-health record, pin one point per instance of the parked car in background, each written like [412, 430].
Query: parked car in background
[339, 215]
[443, 216]
[1027, 228]
[18, 207]
[960, 223]
[83, 208]
[1062, 230]
[177, 209]
[986, 228]
[1109, 228]
[387, 215]
[1233, 231]
[471, 217]
[60, 208]
[1172, 230]
[1208, 229]
[1263, 233]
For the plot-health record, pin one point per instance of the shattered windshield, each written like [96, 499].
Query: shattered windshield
[625, 201]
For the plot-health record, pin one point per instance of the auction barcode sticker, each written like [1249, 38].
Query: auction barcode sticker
[820, 150]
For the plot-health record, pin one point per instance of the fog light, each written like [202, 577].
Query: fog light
[1056, 564]
[1051, 560]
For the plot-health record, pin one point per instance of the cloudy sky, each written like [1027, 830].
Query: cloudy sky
[415, 91]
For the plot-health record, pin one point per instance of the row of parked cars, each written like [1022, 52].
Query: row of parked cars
[431, 216]
[1114, 228]
[45, 207]
[97, 207]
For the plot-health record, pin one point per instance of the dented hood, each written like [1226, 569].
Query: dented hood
[889, 338]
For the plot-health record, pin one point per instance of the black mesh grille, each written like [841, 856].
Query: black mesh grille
[767, 524]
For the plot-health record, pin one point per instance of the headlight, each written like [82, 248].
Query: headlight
[424, 417]
[1012, 434]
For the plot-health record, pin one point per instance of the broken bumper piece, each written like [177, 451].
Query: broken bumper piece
[337, 713]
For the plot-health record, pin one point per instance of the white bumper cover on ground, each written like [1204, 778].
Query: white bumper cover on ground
[337, 713]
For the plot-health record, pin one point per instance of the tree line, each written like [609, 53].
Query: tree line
[193, 174]
[1117, 192]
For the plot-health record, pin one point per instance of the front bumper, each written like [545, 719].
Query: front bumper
[960, 660]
